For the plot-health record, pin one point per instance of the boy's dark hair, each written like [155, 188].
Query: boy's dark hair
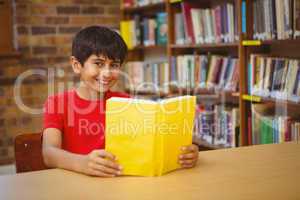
[98, 40]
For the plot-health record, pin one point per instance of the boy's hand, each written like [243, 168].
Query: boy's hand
[189, 156]
[100, 163]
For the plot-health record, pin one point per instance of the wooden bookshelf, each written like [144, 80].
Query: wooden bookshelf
[231, 49]
[206, 46]
[281, 42]
[274, 102]
[281, 48]
[151, 7]
[147, 93]
[152, 47]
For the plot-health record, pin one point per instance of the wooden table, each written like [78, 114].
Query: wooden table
[257, 172]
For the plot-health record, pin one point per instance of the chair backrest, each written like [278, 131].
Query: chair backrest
[28, 152]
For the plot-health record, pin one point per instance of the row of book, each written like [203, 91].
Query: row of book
[274, 77]
[276, 19]
[139, 3]
[272, 129]
[216, 125]
[205, 71]
[196, 25]
[145, 31]
[143, 76]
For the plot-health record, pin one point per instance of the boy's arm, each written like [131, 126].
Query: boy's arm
[97, 163]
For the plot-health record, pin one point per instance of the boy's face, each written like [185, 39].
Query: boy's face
[98, 72]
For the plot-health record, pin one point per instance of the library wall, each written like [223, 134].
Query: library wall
[43, 32]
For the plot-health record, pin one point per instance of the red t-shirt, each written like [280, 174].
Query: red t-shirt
[82, 122]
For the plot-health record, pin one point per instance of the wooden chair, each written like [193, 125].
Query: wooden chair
[28, 152]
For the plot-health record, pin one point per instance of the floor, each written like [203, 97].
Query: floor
[7, 169]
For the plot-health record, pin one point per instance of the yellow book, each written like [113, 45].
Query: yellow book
[146, 136]
[125, 27]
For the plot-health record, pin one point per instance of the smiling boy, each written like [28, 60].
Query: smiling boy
[74, 121]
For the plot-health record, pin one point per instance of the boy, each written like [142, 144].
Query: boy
[73, 136]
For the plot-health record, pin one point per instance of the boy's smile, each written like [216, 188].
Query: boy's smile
[97, 75]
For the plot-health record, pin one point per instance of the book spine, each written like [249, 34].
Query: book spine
[296, 19]
[244, 17]
[161, 29]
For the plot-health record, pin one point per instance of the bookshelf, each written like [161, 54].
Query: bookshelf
[240, 44]
[272, 50]
[172, 49]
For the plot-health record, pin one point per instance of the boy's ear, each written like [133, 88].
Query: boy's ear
[76, 65]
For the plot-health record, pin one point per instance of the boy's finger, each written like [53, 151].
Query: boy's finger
[187, 156]
[104, 169]
[108, 163]
[189, 148]
[183, 162]
[187, 165]
[101, 174]
[106, 154]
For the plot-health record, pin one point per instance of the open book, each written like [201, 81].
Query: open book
[146, 136]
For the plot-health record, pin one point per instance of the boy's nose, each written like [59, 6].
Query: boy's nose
[106, 72]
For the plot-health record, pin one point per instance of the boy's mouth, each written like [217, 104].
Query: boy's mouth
[103, 82]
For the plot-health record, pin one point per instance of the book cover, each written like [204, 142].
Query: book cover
[152, 31]
[244, 19]
[187, 19]
[174, 75]
[266, 132]
[138, 32]
[195, 16]
[203, 70]
[296, 19]
[179, 29]
[146, 136]
[126, 34]
[146, 40]
[222, 73]
[161, 29]
[297, 82]
[218, 27]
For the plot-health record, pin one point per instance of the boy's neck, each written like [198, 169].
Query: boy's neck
[86, 93]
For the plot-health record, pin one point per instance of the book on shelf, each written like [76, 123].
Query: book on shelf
[147, 76]
[145, 31]
[205, 71]
[275, 19]
[269, 128]
[146, 136]
[296, 19]
[274, 77]
[161, 29]
[206, 25]
[217, 125]
[179, 29]
[126, 31]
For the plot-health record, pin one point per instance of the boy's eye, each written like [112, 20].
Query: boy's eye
[100, 64]
[115, 65]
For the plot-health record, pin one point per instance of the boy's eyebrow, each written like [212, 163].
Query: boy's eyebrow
[117, 61]
[103, 59]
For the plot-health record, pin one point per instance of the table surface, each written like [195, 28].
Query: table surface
[256, 172]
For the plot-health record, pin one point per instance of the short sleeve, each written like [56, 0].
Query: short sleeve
[118, 94]
[53, 113]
